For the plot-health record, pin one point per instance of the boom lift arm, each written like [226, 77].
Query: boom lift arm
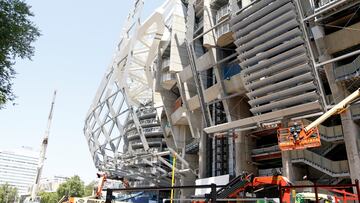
[100, 186]
[299, 137]
[265, 181]
[102, 179]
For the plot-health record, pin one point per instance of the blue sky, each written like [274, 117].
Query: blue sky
[77, 43]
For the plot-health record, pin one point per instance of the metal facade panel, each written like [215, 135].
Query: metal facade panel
[276, 68]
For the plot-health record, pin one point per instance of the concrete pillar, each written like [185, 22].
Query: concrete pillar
[292, 172]
[287, 165]
[243, 162]
[189, 178]
[210, 37]
[351, 138]
[350, 128]
[203, 165]
[178, 52]
[239, 108]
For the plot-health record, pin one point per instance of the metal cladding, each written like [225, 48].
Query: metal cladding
[277, 70]
[104, 128]
[182, 86]
[122, 129]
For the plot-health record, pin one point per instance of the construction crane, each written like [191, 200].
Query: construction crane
[33, 198]
[299, 137]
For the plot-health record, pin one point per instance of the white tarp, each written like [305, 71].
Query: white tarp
[218, 180]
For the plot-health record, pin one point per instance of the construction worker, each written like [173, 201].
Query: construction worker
[295, 131]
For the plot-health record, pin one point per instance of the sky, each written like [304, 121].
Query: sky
[77, 44]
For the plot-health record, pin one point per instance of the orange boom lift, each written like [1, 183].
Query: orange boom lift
[300, 137]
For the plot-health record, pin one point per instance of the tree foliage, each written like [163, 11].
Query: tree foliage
[89, 188]
[17, 33]
[73, 187]
[8, 193]
[48, 197]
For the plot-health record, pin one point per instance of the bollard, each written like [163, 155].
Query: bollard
[108, 195]
[213, 193]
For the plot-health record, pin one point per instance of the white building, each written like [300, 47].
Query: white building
[18, 168]
[51, 184]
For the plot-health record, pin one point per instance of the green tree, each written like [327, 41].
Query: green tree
[17, 33]
[48, 197]
[7, 193]
[89, 188]
[73, 187]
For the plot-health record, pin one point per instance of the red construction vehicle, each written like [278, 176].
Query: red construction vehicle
[264, 181]
[271, 187]
[248, 183]
[296, 136]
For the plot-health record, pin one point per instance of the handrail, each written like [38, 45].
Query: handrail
[333, 168]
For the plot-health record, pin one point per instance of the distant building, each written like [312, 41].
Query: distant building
[51, 184]
[18, 168]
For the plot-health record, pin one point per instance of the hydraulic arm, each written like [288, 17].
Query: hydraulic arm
[299, 137]
[100, 186]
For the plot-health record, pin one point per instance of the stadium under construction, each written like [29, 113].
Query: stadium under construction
[205, 91]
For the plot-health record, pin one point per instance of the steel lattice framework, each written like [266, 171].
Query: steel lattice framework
[125, 101]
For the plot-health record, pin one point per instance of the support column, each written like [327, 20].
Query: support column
[239, 108]
[188, 178]
[202, 155]
[351, 139]
[287, 167]
[292, 172]
[243, 160]
[350, 128]
[209, 16]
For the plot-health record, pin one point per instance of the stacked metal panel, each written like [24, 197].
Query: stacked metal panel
[276, 68]
[151, 129]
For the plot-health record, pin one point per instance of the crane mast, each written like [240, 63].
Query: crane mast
[44, 145]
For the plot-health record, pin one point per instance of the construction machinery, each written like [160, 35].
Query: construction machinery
[96, 198]
[33, 198]
[277, 188]
[296, 136]
[102, 180]
[251, 183]
[247, 183]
